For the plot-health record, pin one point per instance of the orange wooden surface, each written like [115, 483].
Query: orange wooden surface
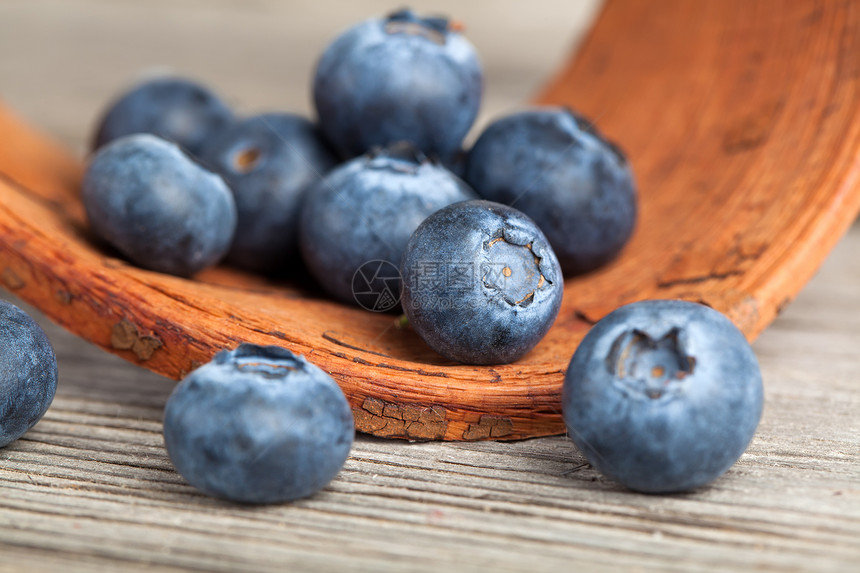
[742, 122]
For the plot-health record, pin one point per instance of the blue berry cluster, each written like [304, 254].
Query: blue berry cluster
[178, 183]
[387, 209]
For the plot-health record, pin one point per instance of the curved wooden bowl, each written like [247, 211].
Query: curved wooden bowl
[742, 120]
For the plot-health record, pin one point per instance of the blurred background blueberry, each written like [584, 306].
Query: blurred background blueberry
[555, 167]
[269, 161]
[158, 207]
[176, 109]
[398, 78]
[366, 210]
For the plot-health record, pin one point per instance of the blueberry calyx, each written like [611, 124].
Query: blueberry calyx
[405, 21]
[649, 365]
[517, 236]
[246, 159]
[438, 23]
[268, 361]
[402, 15]
[513, 270]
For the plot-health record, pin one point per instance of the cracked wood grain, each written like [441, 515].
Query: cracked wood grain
[391, 420]
[127, 336]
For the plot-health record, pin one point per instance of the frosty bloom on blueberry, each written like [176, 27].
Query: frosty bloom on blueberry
[28, 373]
[366, 210]
[269, 161]
[663, 395]
[258, 424]
[399, 78]
[554, 166]
[481, 284]
[157, 206]
[176, 109]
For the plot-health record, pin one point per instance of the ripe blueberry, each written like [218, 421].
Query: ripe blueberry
[366, 210]
[556, 168]
[28, 373]
[481, 284]
[258, 425]
[400, 78]
[158, 207]
[268, 161]
[175, 109]
[663, 395]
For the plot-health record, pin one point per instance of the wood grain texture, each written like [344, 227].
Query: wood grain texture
[742, 124]
[90, 488]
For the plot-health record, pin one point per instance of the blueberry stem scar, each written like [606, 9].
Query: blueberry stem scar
[652, 362]
[415, 29]
[247, 159]
[520, 280]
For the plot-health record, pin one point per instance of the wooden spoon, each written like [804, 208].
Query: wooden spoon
[742, 122]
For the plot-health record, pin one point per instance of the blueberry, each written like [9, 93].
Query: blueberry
[28, 373]
[663, 395]
[175, 109]
[400, 78]
[481, 284]
[158, 207]
[555, 167]
[366, 210]
[268, 161]
[258, 425]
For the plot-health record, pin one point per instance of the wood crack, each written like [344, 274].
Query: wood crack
[391, 420]
[362, 361]
[126, 336]
[698, 279]
[51, 204]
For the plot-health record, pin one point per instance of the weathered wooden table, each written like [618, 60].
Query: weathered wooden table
[90, 488]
